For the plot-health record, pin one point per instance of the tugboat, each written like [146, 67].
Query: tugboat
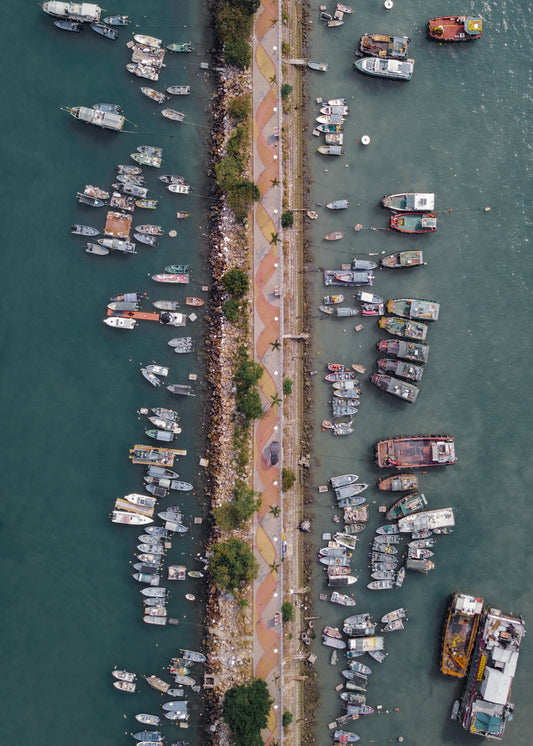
[455, 28]
[416, 451]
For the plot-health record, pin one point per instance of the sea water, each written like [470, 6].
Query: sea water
[461, 129]
[71, 387]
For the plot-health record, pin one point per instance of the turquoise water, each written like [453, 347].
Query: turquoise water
[71, 387]
[459, 128]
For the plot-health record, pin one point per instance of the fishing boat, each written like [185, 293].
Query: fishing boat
[404, 350]
[179, 188]
[148, 735]
[176, 279]
[327, 128]
[341, 599]
[151, 377]
[333, 642]
[191, 301]
[411, 503]
[414, 222]
[332, 632]
[345, 311]
[166, 305]
[104, 119]
[147, 240]
[348, 490]
[150, 230]
[392, 616]
[455, 28]
[129, 170]
[364, 264]
[177, 572]
[157, 683]
[81, 12]
[462, 622]
[117, 20]
[192, 655]
[162, 435]
[177, 268]
[395, 386]
[320, 66]
[172, 179]
[182, 215]
[335, 236]
[125, 686]
[123, 675]
[431, 519]
[344, 736]
[146, 160]
[330, 150]
[387, 538]
[419, 553]
[410, 202]
[147, 204]
[156, 490]
[143, 71]
[400, 577]
[343, 480]
[416, 451]
[130, 180]
[330, 300]
[326, 309]
[393, 626]
[116, 244]
[385, 68]
[346, 375]
[84, 230]
[343, 410]
[156, 96]
[384, 46]
[179, 90]
[103, 30]
[182, 389]
[150, 41]
[87, 199]
[403, 259]
[403, 369]
[181, 344]
[176, 116]
[399, 483]
[409, 308]
[66, 25]
[404, 328]
[348, 278]
[380, 585]
[338, 204]
[147, 719]
[119, 323]
[137, 499]
[341, 109]
[185, 46]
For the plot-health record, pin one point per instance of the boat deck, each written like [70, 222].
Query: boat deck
[121, 504]
[118, 225]
[143, 315]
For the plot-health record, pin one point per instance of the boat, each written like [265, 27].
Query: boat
[151, 377]
[148, 735]
[181, 215]
[157, 683]
[343, 480]
[410, 503]
[83, 230]
[455, 28]
[399, 483]
[410, 202]
[179, 90]
[123, 675]
[414, 222]
[341, 109]
[107, 120]
[149, 230]
[403, 369]
[172, 179]
[177, 572]
[130, 179]
[380, 585]
[400, 577]
[163, 424]
[185, 46]
[190, 301]
[176, 116]
[172, 279]
[177, 269]
[156, 96]
[333, 642]
[166, 305]
[146, 719]
[341, 599]
[146, 160]
[149, 41]
[161, 621]
[68, 25]
[150, 150]
[128, 170]
[395, 386]
[394, 626]
[103, 30]
[349, 490]
[387, 538]
[403, 259]
[154, 592]
[404, 328]
[416, 451]
[192, 655]
[377, 655]
[87, 199]
[147, 204]
[81, 12]
[320, 66]
[158, 471]
[125, 686]
[326, 128]
[117, 20]
[432, 519]
[116, 244]
[136, 499]
[183, 389]
[330, 150]
[143, 238]
[118, 322]
[330, 300]
[491, 675]
[344, 736]
[348, 278]
[392, 616]
[338, 204]
[143, 71]
[404, 350]
[384, 68]
[419, 553]
[409, 308]
[384, 46]
[162, 435]
[179, 188]
[332, 632]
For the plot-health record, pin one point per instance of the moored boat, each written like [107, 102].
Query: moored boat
[103, 30]
[183, 389]
[80, 12]
[461, 627]
[395, 386]
[330, 150]
[404, 328]
[338, 204]
[410, 202]
[320, 66]
[184, 46]
[407, 504]
[455, 28]
[150, 41]
[119, 323]
[399, 483]
[88, 199]
[409, 308]
[156, 96]
[403, 369]
[176, 116]
[341, 599]
[416, 451]
[146, 160]
[380, 585]
[405, 350]
[386, 68]
[179, 90]
[66, 25]
[117, 20]
[335, 236]
[166, 305]
[191, 301]
[147, 719]
[84, 230]
[179, 188]
[147, 240]
[147, 204]
[149, 230]
[384, 46]
[403, 259]
[125, 686]
[104, 119]
[414, 222]
[329, 300]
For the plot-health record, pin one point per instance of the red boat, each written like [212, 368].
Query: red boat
[193, 301]
[455, 28]
[416, 451]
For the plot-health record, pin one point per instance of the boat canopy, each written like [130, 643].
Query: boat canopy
[416, 202]
[73, 11]
[428, 222]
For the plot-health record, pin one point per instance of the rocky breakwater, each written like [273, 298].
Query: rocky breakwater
[228, 641]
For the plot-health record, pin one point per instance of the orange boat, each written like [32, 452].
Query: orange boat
[335, 236]
[455, 28]
[460, 633]
[190, 301]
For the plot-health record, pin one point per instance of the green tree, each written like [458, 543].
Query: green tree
[287, 386]
[232, 564]
[287, 611]
[276, 344]
[249, 404]
[238, 53]
[275, 399]
[287, 479]
[236, 282]
[231, 310]
[274, 510]
[274, 238]
[233, 514]
[287, 219]
[286, 91]
[287, 718]
[245, 710]
[248, 6]
[240, 107]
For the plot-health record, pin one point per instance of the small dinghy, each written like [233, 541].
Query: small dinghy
[103, 30]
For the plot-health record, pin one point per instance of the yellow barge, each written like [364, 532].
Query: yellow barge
[460, 634]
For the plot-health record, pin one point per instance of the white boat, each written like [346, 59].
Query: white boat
[132, 519]
[136, 499]
[120, 323]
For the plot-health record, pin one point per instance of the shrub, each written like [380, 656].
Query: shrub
[240, 107]
[238, 53]
[287, 386]
[249, 404]
[245, 710]
[233, 514]
[287, 718]
[287, 611]
[286, 91]
[287, 219]
[231, 310]
[236, 282]
[232, 564]
[287, 479]
[285, 49]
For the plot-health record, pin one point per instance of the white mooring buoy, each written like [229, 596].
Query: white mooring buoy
[365, 140]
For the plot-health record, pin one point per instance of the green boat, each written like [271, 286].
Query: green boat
[404, 328]
[407, 504]
[403, 259]
[146, 160]
[409, 308]
[185, 46]
[177, 269]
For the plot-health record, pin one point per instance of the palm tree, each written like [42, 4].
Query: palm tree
[275, 510]
[272, 80]
[276, 400]
[276, 344]
[274, 182]
[274, 566]
[274, 238]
